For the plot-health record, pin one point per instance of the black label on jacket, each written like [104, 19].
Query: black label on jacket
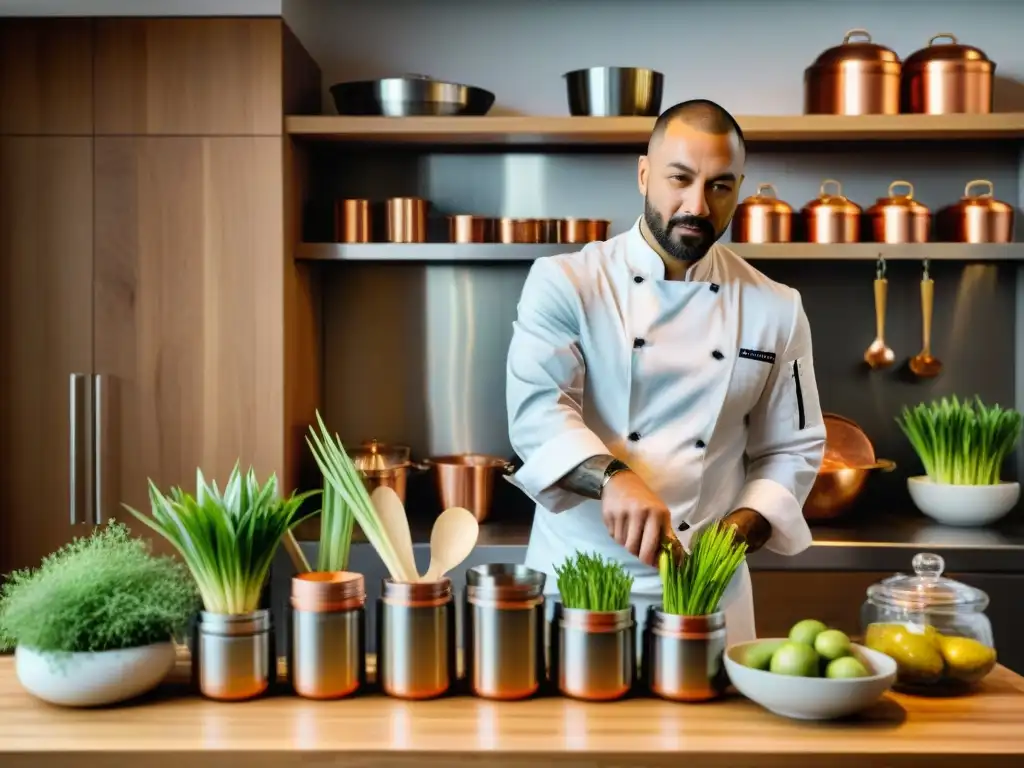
[757, 354]
[801, 414]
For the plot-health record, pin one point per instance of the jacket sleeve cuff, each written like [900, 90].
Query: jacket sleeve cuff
[790, 532]
[553, 461]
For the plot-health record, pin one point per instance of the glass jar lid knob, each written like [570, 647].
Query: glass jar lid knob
[928, 566]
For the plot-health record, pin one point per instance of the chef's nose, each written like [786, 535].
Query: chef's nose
[696, 202]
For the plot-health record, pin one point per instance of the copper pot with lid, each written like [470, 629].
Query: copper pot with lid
[831, 218]
[763, 218]
[899, 218]
[384, 465]
[859, 77]
[977, 218]
[946, 79]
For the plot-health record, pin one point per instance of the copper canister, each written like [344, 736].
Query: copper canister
[593, 653]
[583, 230]
[327, 648]
[831, 218]
[683, 656]
[416, 642]
[549, 230]
[234, 658]
[898, 218]
[352, 221]
[519, 230]
[858, 77]
[763, 218]
[406, 219]
[948, 78]
[464, 228]
[976, 218]
[504, 643]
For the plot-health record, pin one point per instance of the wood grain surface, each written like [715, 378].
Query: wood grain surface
[170, 727]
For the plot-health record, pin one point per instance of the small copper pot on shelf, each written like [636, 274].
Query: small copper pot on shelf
[467, 480]
[383, 464]
[763, 218]
[406, 219]
[898, 219]
[831, 218]
[858, 77]
[976, 218]
[580, 231]
[466, 228]
[352, 221]
[950, 78]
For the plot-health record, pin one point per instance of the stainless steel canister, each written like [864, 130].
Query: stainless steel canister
[235, 659]
[683, 656]
[504, 620]
[327, 658]
[416, 639]
[593, 653]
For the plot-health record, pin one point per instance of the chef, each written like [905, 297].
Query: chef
[657, 382]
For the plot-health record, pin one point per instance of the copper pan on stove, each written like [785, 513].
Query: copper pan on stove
[849, 460]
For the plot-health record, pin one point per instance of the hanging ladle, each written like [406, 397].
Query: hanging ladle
[878, 355]
[923, 364]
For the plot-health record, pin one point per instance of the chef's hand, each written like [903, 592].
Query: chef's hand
[635, 516]
[750, 525]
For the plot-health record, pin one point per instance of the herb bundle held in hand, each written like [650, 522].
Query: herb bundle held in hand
[695, 586]
[591, 583]
[961, 443]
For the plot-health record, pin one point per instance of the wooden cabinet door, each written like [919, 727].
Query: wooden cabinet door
[46, 236]
[188, 311]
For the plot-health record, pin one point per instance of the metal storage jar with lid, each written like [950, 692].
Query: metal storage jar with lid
[935, 628]
[831, 218]
[859, 77]
[976, 218]
[897, 218]
[946, 79]
[763, 218]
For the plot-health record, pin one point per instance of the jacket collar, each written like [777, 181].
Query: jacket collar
[645, 261]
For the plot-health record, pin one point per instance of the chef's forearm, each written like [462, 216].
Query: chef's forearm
[751, 526]
[587, 477]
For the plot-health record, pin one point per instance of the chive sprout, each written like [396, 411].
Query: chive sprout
[695, 586]
[589, 582]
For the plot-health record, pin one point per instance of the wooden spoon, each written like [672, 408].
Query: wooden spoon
[453, 538]
[878, 355]
[923, 364]
[395, 523]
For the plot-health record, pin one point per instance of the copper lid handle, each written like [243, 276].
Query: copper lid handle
[857, 33]
[949, 35]
[825, 183]
[907, 184]
[982, 182]
[767, 186]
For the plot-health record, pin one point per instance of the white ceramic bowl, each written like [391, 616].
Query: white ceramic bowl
[810, 698]
[93, 679]
[963, 505]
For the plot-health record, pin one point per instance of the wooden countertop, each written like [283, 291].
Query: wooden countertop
[167, 728]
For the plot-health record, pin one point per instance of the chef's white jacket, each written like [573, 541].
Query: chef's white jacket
[704, 387]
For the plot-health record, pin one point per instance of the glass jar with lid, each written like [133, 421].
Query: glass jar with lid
[935, 628]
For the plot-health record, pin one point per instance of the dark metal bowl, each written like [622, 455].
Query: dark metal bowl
[614, 92]
[409, 96]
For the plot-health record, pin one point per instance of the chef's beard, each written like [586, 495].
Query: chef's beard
[682, 247]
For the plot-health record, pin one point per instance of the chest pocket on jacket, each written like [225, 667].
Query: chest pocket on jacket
[749, 378]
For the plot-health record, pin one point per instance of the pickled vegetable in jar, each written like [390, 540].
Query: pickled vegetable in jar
[935, 628]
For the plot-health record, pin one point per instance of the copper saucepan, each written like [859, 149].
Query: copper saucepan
[849, 459]
[467, 480]
[385, 465]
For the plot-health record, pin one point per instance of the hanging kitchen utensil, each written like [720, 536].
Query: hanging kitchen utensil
[923, 364]
[946, 79]
[899, 219]
[452, 539]
[879, 355]
[831, 218]
[976, 218]
[858, 77]
[395, 523]
[763, 218]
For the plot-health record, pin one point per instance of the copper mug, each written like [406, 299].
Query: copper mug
[467, 480]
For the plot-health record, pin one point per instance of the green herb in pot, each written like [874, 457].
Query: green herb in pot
[228, 540]
[591, 583]
[961, 443]
[694, 587]
[102, 592]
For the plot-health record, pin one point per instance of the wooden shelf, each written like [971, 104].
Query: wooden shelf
[490, 252]
[625, 131]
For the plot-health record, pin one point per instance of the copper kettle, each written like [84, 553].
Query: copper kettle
[976, 218]
[899, 218]
[763, 218]
[831, 218]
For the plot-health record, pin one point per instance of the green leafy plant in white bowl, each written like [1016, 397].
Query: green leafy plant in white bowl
[963, 446]
[95, 623]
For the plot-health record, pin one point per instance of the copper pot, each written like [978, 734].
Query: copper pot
[831, 218]
[856, 78]
[849, 459]
[899, 218]
[519, 230]
[763, 218]
[406, 220]
[580, 231]
[549, 230]
[352, 221]
[467, 480]
[947, 79]
[463, 228]
[384, 465]
[976, 218]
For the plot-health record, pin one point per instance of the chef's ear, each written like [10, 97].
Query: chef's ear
[643, 168]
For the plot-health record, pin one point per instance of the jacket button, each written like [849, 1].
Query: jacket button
[717, 354]
[634, 436]
[638, 342]
[714, 287]
[700, 444]
[637, 279]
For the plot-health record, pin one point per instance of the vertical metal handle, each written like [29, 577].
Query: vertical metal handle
[99, 416]
[77, 455]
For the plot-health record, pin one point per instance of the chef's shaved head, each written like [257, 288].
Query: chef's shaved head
[702, 114]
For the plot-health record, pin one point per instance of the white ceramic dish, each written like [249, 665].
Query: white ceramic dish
[93, 679]
[810, 698]
[963, 505]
